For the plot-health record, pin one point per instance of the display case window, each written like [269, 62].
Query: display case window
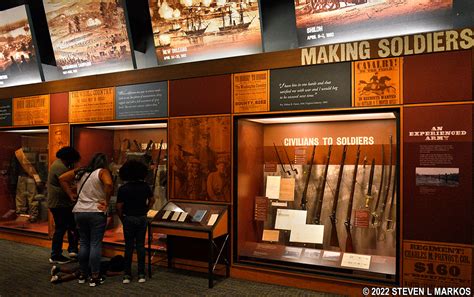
[319, 193]
[23, 176]
[146, 142]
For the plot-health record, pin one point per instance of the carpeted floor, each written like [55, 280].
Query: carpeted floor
[25, 271]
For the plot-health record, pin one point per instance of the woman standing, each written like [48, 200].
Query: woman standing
[94, 189]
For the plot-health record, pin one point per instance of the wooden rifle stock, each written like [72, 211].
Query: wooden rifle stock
[332, 217]
[279, 160]
[347, 223]
[368, 196]
[374, 213]
[319, 203]
[304, 200]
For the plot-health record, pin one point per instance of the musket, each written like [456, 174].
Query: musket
[157, 165]
[390, 215]
[289, 161]
[368, 196]
[319, 202]
[279, 160]
[381, 183]
[387, 189]
[304, 200]
[332, 217]
[347, 223]
[137, 145]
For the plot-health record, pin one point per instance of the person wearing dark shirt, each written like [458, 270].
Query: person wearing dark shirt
[134, 199]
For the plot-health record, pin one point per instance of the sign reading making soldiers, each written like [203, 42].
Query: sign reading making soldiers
[31, 111]
[141, 101]
[187, 30]
[332, 21]
[377, 82]
[18, 64]
[88, 37]
[6, 111]
[200, 158]
[250, 91]
[311, 87]
[91, 105]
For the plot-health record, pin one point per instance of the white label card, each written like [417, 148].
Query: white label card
[175, 216]
[212, 219]
[182, 217]
[273, 187]
[166, 214]
[286, 218]
[307, 233]
[331, 256]
[355, 261]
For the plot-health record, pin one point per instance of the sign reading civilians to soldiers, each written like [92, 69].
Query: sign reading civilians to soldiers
[91, 105]
[141, 101]
[28, 111]
[325, 86]
[431, 265]
[377, 82]
[251, 92]
[6, 112]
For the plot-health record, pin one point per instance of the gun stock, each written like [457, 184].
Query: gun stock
[347, 223]
[319, 203]
[304, 200]
[334, 238]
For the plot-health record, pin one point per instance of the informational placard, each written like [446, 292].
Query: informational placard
[429, 264]
[6, 112]
[88, 37]
[287, 218]
[91, 105]
[59, 136]
[300, 155]
[272, 190]
[324, 22]
[271, 235]
[307, 233]
[213, 219]
[18, 62]
[185, 31]
[287, 189]
[141, 101]
[250, 92]
[355, 261]
[31, 111]
[377, 82]
[175, 215]
[182, 217]
[166, 214]
[301, 88]
[261, 208]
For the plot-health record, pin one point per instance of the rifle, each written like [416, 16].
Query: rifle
[380, 186]
[319, 203]
[368, 196]
[157, 165]
[279, 160]
[387, 189]
[304, 200]
[289, 161]
[137, 145]
[347, 223]
[332, 217]
[390, 215]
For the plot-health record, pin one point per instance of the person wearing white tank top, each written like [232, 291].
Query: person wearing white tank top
[94, 189]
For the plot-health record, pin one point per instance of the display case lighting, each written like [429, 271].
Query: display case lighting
[130, 127]
[326, 118]
[27, 131]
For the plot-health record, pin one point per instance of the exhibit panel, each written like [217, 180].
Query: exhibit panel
[319, 192]
[146, 142]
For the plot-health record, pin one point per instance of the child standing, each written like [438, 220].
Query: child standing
[134, 199]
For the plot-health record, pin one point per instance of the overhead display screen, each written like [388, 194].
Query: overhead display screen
[18, 61]
[89, 37]
[193, 30]
[332, 21]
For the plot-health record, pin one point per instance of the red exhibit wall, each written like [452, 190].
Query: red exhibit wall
[59, 108]
[91, 141]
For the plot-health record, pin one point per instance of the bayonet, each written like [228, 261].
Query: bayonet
[332, 217]
[304, 200]
[368, 196]
[289, 161]
[281, 163]
[347, 223]
[137, 145]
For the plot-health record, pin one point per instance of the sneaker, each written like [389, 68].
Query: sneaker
[96, 281]
[126, 279]
[54, 270]
[81, 279]
[141, 278]
[72, 254]
[59, 260]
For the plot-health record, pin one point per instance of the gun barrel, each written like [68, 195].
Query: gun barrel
[279, 160]
[304, 199]
[334, 238]
[319, 202]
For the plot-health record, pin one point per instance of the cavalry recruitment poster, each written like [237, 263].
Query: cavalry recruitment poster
[377, 82]
[250, 91]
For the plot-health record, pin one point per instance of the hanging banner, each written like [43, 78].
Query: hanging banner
[31, 111]
[250, 92]
[91, 105]
[377, 82]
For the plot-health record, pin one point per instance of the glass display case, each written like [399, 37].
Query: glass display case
[120, 142]
[319, 193]
[23, 175]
